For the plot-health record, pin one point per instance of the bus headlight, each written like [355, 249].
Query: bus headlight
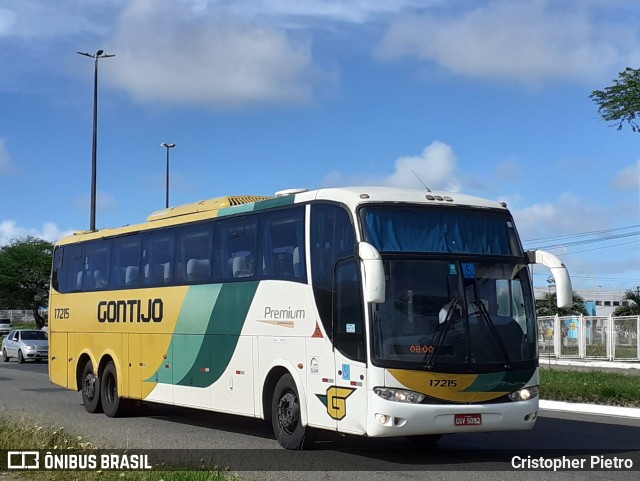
[524, 394]
[399, 395]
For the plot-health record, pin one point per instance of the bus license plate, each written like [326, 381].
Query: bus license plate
[468, 419]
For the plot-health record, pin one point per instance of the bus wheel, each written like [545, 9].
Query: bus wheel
[113, 405]
[424, 440]
[90, 390]
[285, 416]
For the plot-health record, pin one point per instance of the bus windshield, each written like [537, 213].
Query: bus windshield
[440, 230]
[442, 314]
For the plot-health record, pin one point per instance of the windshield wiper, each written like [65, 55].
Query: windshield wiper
[431, 357]
[484, 314]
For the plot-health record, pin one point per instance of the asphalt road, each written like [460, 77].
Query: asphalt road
[248, 444]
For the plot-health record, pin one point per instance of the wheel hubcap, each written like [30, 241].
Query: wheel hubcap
[89, 386]
[288, 410]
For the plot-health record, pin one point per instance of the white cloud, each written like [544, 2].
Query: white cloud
[7, 20]
[529, 41]
[628, 178]
[5, 158]
[10, 230]
[43, 18]
[569, 214]
[435, 166]
[203, 56]
[352, 11]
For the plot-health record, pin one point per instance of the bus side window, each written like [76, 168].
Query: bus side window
[332, 238]
[235, 242]
[72, 269]
[157, 256]
[97, 262]
[193, 251]
[57, 268]
[349, 314]
[127, 261]
[282, 241]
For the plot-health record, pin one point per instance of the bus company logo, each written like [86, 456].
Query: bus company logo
[336, 401]
[132, 310]
[23, 460]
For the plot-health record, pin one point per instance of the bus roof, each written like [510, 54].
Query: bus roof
[352, 197]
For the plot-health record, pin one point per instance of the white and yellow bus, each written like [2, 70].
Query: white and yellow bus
[369, 311]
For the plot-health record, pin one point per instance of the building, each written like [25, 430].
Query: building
[599, 301]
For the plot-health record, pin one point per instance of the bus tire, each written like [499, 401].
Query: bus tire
[113, 405]
[424, 440]
[90, 387]
[285, 416]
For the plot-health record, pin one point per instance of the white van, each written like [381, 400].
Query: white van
[5, 326]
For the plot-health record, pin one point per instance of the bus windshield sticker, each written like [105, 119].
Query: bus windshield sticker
[453, 270]
[469, 270]
[351, 328]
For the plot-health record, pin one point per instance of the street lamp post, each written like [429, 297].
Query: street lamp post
[94, 149]
[168, 147]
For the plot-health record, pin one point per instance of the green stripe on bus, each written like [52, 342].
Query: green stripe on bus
[194, 319]
[256, 206]
[221, 336]
[501, 381]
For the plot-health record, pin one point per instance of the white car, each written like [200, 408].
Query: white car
[26, 344]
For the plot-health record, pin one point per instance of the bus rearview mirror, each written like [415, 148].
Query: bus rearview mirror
[374, 283]
[564, 291]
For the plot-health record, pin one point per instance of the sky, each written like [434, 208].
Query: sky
[487, 97]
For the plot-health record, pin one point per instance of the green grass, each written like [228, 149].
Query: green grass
[18, 435]
[594, 387]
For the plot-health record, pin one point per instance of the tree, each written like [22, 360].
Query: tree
[630, 305]
[548, 306]
[620, 102]
[25, 268]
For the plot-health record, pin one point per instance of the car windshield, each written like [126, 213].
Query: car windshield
[440, 313]
[33, 336]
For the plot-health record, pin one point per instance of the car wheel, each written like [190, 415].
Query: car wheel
[90, 390]
[285, 416]
[4, 355]
[20, 357]
[113, 405]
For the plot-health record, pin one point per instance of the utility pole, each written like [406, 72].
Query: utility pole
[168, 147]
[94, 149]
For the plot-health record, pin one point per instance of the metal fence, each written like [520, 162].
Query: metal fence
[590, 337]
[16, 315]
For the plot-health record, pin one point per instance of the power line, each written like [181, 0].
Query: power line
[580, 234]
[603, 247]
[587, 241]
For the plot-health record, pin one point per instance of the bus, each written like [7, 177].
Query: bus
[369, 311]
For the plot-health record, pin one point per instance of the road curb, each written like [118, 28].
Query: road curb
[584, 408]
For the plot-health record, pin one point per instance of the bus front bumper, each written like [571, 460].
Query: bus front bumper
[390, 418]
